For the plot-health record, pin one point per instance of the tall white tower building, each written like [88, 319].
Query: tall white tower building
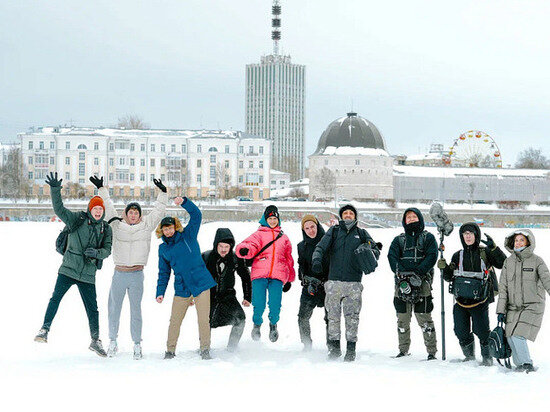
[275, 103]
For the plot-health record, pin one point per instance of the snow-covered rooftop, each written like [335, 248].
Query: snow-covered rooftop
[452, 172]
[353, 151]
[425, 156]
[274, 172]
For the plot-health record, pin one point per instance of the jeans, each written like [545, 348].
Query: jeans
[520, 350]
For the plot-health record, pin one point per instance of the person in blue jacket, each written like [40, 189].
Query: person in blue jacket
[181, 253]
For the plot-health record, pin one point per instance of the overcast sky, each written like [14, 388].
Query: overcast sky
[422, 71]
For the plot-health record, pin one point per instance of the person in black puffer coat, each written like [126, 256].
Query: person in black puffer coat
[471, 314]
[222, 263]
[313, 291]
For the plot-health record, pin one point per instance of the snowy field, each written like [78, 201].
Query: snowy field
[64, 374]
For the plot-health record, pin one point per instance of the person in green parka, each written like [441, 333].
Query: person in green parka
[88, 243]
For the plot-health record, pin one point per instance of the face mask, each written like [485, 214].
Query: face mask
[519, 249]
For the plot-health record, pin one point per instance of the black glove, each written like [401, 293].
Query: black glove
[52, 180]
[243, 251]
[91, 253]
[379, 246]
[158, 183]
[286, 286]
[501, 317]
[490, 243]
[96, 181]
[317, 267]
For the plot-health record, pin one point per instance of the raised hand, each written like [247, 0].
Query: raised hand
[52, 180]
[490, 243]
[96, 181]
[158, 183]
[178, 201]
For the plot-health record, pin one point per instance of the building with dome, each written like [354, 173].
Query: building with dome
[351, 162]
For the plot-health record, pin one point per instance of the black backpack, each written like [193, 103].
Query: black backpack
[63, 237]
[499, 346]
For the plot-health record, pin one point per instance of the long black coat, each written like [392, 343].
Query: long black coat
[225, 309]
[340, 248]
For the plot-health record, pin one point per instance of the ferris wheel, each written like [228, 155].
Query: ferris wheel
[474, 149]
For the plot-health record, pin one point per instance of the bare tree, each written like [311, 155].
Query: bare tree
[132, 122]
[532, 158]
[222, 181]
[297, 192]
[75, 190]
[13, 180]
[325, 180]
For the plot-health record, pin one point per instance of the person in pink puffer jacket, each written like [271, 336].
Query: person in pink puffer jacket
[272, 269]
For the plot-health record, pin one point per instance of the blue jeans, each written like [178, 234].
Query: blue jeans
[259, 289]
[520, 350]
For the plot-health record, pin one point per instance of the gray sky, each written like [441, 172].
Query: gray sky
[422, 71]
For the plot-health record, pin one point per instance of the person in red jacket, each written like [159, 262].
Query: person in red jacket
[272, 269]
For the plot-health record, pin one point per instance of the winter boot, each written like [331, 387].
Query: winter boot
[169, 355]
[112, 349]
[334, 351]
[469, 352]
[137, 351]
[350, 352]
[486, 355]
[42, 336]
[256, 333]
[273, 332]
[97, 347]
[402, 354]
[528, 368]
[235, 336]
[205, 354]
[431, 356]
[307, 345]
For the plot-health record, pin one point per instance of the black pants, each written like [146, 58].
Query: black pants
[88, 295]
[476, 318]
[307, 304]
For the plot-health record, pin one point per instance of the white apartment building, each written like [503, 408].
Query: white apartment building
[195, 163]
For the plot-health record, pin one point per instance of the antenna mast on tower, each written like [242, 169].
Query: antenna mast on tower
[276, 26]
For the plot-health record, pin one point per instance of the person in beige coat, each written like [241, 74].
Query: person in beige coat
[131, 246]
[523, 281]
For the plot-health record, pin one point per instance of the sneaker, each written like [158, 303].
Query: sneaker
[528, 368]
[42, 336]
[97, 347]
[256, 334]
[205, 354]
[137, 351]
[169, 355]
[402, 354]
[112, 349]
[431, 356]
[273, 333]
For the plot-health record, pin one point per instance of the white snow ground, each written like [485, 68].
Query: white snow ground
[64, 374]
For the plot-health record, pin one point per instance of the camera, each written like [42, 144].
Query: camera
[313, 284]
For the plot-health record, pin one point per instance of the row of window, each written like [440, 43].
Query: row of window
[358, 162]
[132, 147]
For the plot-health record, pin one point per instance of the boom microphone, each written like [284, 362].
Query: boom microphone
[440, 218]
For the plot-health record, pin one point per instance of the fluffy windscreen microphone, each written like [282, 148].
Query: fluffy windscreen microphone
[440, 218]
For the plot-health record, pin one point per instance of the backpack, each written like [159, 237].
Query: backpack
[499, 347]
[63, 237]
[419, 247]
[251, 260]
[474, 285]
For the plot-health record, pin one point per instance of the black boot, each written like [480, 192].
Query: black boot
[97, 347]
[334, 351]
[256, 333]
[42, 336]
[273, 333]
[469, 352]
[486, 355]
[350, 352]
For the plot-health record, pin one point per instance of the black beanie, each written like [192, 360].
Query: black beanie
[133, 205]
[167, 221]
[271, 210]
[348, 207]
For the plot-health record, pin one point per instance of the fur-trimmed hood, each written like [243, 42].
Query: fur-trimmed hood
[179, 228]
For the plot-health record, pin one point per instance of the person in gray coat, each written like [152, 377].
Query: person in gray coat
[523, 281]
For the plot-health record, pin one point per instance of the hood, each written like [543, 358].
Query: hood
[178, 226]
[320, 234]
[529, 250]
[470, 227]
[224, 235]
[420, 227]
[263, 222]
